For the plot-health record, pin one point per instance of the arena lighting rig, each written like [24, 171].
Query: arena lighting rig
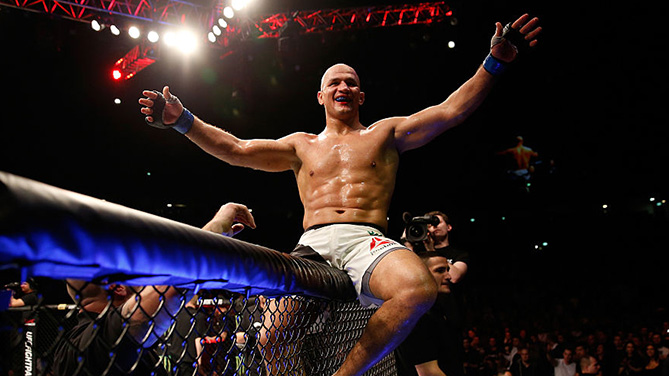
[223, 24]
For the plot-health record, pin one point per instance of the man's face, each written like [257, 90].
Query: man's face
[567, 355]
[25, 287]
[119, 293]
[439, 268]
[593, 368]
[340, 91]
[439, 231]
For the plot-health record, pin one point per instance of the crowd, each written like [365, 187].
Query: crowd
[505, 351]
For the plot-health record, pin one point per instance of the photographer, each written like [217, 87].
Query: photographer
[25, 294]
[430, 233]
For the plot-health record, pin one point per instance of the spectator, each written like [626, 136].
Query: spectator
[563, 366]
[589, 366]
[631, 364]
[652, 367]
[525, 366]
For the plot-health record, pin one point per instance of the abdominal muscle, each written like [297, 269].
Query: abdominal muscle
[337, 200]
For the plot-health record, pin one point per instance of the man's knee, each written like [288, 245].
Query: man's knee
[416, 294]
[421, 294]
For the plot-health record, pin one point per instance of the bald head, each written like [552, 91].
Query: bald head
[338, 68]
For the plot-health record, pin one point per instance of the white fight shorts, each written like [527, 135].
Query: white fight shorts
[353, 248]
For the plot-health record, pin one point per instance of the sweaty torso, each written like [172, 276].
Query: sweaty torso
[347, 177]
[522, 155]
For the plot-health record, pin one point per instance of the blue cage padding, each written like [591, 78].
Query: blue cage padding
[53, 232]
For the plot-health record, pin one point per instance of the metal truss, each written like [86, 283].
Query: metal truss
[206, 13]
[169, 12]
[303, 22]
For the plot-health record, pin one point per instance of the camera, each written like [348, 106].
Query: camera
[14, 286]
[416, 227]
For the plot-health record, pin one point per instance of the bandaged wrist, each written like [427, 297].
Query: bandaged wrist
[493, 65]
[185, 122]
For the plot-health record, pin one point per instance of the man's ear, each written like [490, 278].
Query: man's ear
[362, 98]
[319, 95]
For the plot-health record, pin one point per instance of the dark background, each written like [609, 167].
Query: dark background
[590, 99]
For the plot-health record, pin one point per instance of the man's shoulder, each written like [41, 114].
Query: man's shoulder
[299, 137]
[388, 123]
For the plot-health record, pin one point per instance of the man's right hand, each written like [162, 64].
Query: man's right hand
[230, 220]
[173, 107]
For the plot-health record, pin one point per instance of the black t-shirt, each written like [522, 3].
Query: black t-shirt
[30, 299]
[431, 339]
[453, 254]
[454, 302]
[92, 347]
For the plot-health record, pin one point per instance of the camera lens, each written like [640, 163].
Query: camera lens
[416, 231]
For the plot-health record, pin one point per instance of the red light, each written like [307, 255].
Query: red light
[116, 74]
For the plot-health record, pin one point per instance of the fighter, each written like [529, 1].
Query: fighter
[346, 177]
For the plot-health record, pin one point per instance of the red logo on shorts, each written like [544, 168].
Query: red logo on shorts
[377, 242]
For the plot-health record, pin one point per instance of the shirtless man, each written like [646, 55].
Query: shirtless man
[522, 155]
[345, 177]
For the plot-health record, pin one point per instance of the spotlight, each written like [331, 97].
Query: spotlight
[216, 30]
[116, 74]
[451, 44]
[134, 32]
[153, 36]
[95, 25]
[239, 4]
[222, 23]
[170, 38]
[114, 30]
[211, 37]
[228, 12]
[183, 40]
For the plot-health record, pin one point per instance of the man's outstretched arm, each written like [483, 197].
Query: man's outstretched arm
[422, 127]
[265, 155]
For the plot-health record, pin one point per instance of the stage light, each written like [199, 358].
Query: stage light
[216, 30]
[239, 4]
[153, 36]
[95, 25]
[114, 30]
[183, 40]
[228, 12]
[170, 38]
[222, 23]
[117, 100]
[134, 32]
[116, 74]
[211, 37]
[451, 44]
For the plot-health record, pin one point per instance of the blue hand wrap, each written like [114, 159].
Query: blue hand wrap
[494, 66]
[184, 122]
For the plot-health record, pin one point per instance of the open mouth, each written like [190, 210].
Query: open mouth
[342, 99]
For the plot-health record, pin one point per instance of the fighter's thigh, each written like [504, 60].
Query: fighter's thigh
[401, 272]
